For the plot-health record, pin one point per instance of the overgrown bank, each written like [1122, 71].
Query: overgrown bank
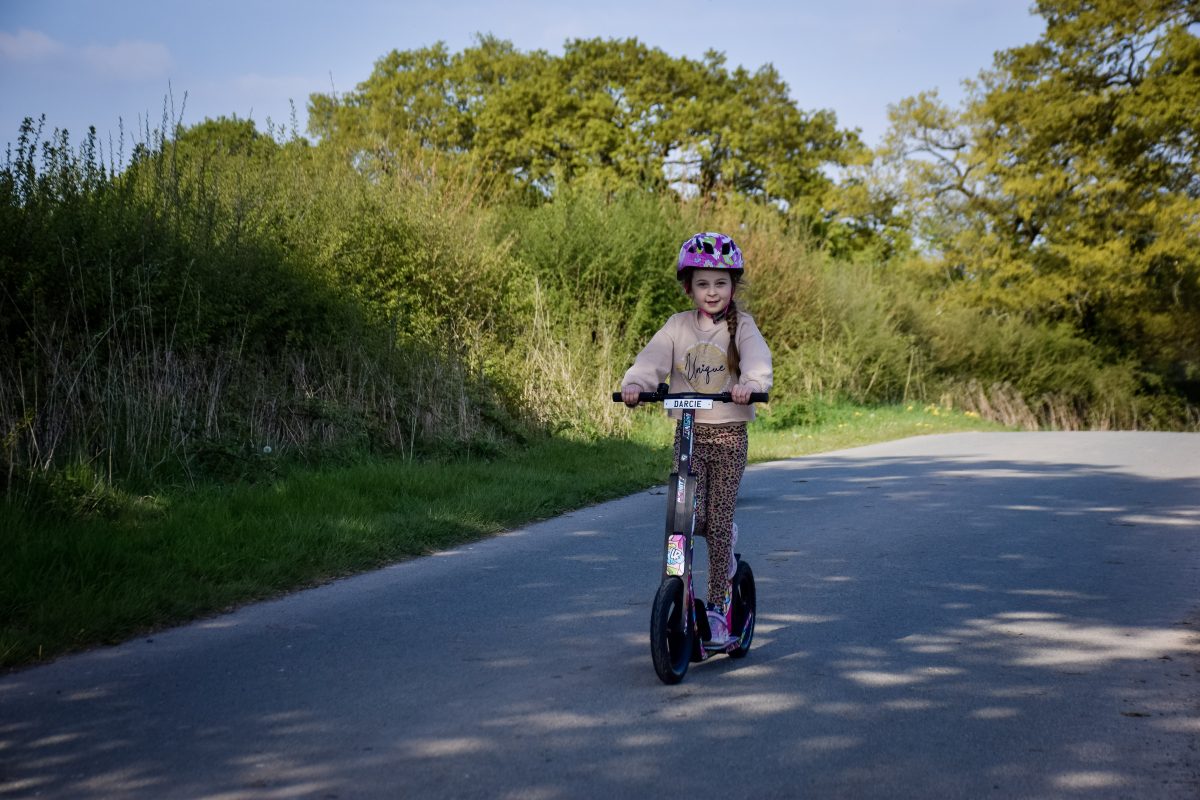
[227, 294]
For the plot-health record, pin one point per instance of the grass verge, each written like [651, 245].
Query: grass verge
[67, 583]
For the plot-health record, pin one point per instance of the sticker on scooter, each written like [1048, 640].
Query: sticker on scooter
[687, 402]
[675, 554]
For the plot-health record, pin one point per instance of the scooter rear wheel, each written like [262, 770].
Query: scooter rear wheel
[745, 608]
[670, 635]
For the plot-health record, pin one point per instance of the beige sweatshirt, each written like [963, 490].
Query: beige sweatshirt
[695, 361]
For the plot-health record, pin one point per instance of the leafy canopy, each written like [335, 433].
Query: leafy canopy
[614, 114]
[1066, 189]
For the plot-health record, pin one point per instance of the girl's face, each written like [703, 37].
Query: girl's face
[711, 290]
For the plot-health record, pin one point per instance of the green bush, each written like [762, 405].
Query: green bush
[224, 291]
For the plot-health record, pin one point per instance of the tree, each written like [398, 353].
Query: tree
[615, 113]
[1066, 188]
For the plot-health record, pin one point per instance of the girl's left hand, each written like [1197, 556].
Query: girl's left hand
[741, 394]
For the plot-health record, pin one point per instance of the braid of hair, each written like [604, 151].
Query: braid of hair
[732, 358]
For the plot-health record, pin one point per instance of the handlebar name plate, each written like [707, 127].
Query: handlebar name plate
[681, 403]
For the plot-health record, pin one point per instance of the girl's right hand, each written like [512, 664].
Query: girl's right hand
[630, 394]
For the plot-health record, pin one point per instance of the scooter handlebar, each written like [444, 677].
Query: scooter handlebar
[721, 397]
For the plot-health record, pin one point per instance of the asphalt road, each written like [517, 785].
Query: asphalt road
[960, 616]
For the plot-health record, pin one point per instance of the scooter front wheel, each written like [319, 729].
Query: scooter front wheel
[670, 632]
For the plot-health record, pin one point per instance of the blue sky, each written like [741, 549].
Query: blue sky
[92, 63]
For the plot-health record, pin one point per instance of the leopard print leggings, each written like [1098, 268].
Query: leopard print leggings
[719, 459]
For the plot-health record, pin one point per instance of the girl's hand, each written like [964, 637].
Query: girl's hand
[630, 394]
[741, 393]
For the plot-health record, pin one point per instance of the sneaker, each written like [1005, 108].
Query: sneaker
[719, 627]
[732, 557]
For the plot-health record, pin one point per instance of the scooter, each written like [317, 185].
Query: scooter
[679, 631]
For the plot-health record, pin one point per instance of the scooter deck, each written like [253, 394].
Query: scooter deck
[732, 644]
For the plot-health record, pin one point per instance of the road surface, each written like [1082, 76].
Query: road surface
[958, 616]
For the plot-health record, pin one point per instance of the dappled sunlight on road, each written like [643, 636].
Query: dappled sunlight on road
[546, 721]
[987, 628]
[1089, 781]
[825, 744]
[1182, 518]
[1051, 640]
[882, 679]
[737, 706]
[1026, 639]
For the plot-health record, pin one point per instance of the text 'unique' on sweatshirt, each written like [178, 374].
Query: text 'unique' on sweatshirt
[694, 360]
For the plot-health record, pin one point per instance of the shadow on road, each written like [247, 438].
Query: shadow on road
[931, 627]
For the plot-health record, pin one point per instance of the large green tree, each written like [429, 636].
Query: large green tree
[615, 113]
[1066, 189]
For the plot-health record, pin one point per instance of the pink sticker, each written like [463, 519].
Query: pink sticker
[675, 554]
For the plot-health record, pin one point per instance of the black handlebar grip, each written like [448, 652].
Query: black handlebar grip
[643, 397]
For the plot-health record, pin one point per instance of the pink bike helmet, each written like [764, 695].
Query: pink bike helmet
[709, 251]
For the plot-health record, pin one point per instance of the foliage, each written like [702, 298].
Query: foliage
[611, 114]
[481, 241]
[1066, 191]
[227, 292]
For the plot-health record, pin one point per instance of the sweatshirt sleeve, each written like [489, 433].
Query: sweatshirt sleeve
[653, 365]
[754, 355]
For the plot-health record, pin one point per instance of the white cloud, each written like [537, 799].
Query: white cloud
[129, 60]
[26, 45]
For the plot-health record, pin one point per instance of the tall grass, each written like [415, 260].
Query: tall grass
[227, 297]
[573, 366]
[597, 283]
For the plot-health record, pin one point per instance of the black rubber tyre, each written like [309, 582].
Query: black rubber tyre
[745, 608]
[670, 646]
